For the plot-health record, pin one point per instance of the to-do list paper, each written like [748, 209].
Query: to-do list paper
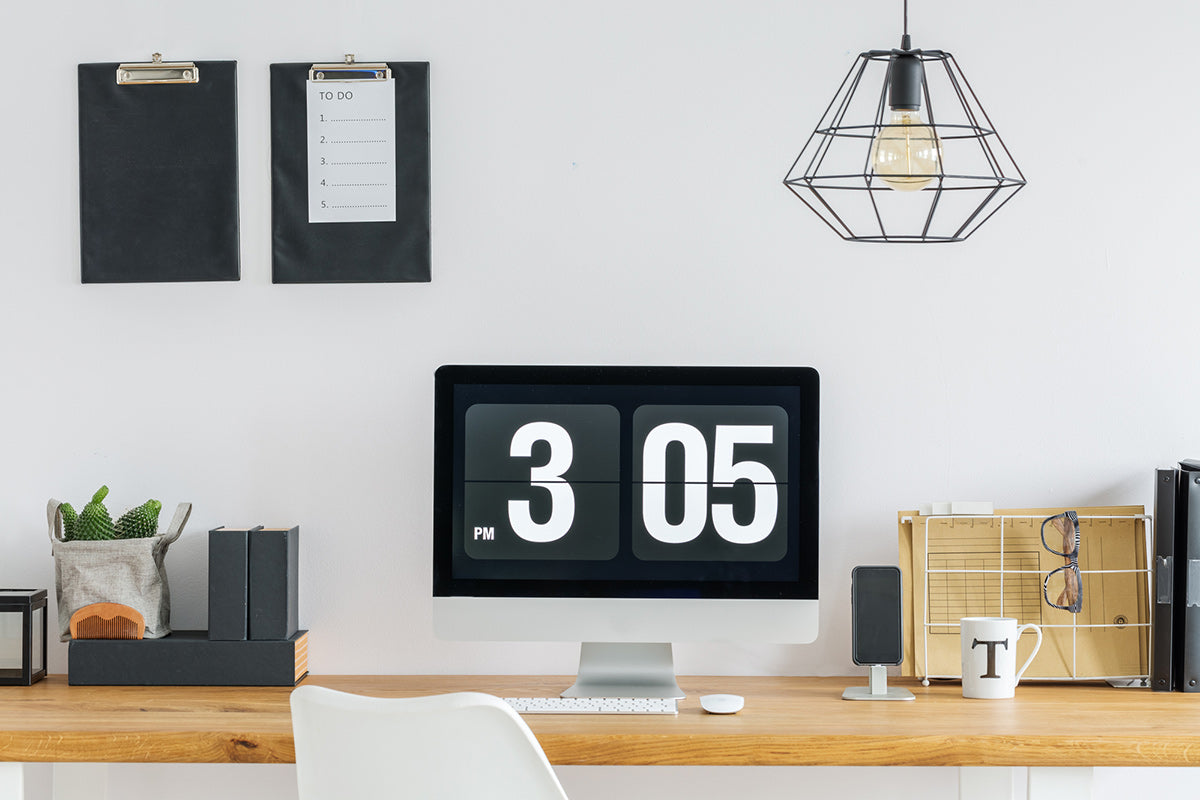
[352, 151]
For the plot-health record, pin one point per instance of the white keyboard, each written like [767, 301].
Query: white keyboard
[592, 705]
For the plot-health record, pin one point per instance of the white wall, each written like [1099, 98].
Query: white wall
[607, 189]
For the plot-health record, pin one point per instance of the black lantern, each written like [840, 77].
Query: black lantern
[22, 636]
[905, 152]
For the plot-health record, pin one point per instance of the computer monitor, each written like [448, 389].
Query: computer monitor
[625, 508]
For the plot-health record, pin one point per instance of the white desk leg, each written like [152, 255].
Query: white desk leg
[986, 783]
[12, 781]
[80, 782]
[1060, 783]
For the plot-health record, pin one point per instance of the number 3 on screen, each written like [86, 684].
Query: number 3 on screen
[548, 477]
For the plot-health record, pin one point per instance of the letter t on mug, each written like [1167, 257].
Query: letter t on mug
[989, 656]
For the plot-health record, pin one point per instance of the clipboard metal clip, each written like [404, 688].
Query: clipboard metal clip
[157, 71]
[350, 70]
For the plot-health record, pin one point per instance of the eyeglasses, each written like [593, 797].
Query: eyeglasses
[1064, 583]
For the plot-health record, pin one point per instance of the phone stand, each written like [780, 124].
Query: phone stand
[877, 688]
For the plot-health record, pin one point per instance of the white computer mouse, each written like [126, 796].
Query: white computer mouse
[722, 703]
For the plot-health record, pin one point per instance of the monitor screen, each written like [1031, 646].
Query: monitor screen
[626, 482]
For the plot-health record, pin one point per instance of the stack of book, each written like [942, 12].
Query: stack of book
[253, 636]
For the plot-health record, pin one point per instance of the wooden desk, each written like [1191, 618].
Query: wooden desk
[786, 721]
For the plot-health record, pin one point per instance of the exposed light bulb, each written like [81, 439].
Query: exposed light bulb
[906, 154]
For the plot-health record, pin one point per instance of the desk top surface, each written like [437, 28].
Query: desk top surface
[786, 721]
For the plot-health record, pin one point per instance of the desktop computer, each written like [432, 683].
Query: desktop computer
[626, 508]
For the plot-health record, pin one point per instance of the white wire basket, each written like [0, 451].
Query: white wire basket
[996, 565]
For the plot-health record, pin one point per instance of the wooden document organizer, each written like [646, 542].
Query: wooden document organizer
[970, 566]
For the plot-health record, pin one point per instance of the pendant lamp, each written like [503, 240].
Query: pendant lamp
[905, 152]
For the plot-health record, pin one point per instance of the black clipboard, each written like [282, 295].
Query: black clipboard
[349, 252]
[158, 184]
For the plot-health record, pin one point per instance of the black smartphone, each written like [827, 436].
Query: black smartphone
[875, 615]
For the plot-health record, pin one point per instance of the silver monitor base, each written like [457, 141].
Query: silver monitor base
[622, 669]
[877, 688]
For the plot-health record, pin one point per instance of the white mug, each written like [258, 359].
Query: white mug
[989, 656]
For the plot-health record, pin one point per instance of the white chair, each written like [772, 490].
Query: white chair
[458, 746]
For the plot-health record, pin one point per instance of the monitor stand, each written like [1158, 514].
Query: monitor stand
[624, 669]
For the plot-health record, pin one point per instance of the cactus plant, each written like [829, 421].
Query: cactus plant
[140, 522]
[93, 522]
[68, 517]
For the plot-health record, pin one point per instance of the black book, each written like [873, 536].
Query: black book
[229, 583]
[187, 658]
[274, 574]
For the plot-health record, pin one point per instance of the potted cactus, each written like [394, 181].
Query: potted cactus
[98, 560]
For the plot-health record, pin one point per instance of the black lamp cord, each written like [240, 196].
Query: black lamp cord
[905, 41]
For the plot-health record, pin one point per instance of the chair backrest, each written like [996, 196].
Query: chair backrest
[457, 746]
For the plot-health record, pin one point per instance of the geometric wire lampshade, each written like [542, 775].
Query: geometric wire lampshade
[954, 172]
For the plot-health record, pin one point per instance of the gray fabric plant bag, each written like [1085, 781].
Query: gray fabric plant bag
[126, 571]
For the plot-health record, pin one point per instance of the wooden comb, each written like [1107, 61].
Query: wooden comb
[107, 621]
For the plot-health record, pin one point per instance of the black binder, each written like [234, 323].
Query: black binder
[349, 252]
[1166, 661]
[1175, 633]
[1188, 572]
[158, 189]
